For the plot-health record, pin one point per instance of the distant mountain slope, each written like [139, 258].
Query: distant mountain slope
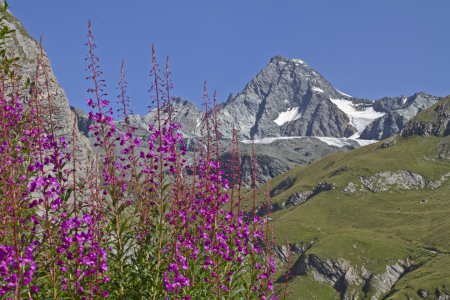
[372, 223]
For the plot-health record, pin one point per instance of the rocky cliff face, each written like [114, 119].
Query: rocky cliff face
[404, 106]
[399, 111]
[184, 112]
[29, 51]
[349, 281]
[287, 98]
[384, 127]
[434, 121]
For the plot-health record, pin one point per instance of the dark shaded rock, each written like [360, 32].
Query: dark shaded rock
[277, 157]
[284, 185]
[384, 127]
[83, 120]
[261, 210]
[297, 198]
[282, 251]
[423, 293]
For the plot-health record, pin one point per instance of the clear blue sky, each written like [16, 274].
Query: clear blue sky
[365, 48]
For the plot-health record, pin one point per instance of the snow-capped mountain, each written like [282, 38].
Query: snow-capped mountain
[290, 99]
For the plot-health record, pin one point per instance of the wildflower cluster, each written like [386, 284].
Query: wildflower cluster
[132, 222]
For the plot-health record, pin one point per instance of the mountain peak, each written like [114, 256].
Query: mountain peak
[278, 58]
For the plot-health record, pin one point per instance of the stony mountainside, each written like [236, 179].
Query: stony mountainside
[384, 127]
[29, 51]
[404, 106]
[185, 113]
[287, 98]
[399, 110]
[434, 121]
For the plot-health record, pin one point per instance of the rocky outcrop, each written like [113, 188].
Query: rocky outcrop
[400, 180]
[282, 186]
[297, 198]
[384, 127]
[353, 188]
[282, 251]
[350, 281]
[83, 121]
[399, 110]
[432, 121]
[261, 210]
[435, 122]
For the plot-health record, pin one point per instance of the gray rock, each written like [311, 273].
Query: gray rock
[341, 275]
[29, 51]
[400, 180]
[407, 107]
[351, 188]
[183, 112]
[282, 251]
[83, 121]
[436, 124]
[297, 198]
[282, 186]
[384, 127]
[399, 110]
[423, 293]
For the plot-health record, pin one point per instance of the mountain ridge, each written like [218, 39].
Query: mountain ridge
[289, 98]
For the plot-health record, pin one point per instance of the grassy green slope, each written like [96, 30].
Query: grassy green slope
[374, 229]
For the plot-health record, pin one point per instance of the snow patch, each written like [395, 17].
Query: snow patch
[298, 61]
[404, 99]
[342, 93]
[359, 119]
[338, 142]
[316, 89]
[288, 116]
[199, 121]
